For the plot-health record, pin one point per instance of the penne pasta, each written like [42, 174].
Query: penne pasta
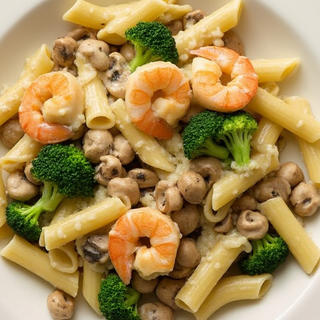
[25, 150]
[147, 148]
[35, 65]
[37, 261]
[274, 69]
[82, 222]
[234, 288]
[174, 12]
[3, 202]
[278, 111]
[209, 271]
[206, 30]
[302, 247]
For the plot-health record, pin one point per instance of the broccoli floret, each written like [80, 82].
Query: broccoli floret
[65, 172]
[116, 300]
[236, 133]
[152, 41]
[266, 256]
[198, 136]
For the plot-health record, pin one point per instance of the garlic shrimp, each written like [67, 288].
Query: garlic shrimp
[157, 95]
[52, 108]
[208, 68]
[129, 248]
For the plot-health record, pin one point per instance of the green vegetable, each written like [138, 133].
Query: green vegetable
[116, 300]
[152, 41]
[198, 136]
[236, 133]
[266, 256]
[65, 172]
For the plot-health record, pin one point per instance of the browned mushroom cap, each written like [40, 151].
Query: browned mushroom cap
[225, 225]
[29, 175]
[291, 172]
[191, 18]
[155, 311]
[192, 187]
[122, 149]
[60, 305]
[96, 143]
[167, 196]
[167, 290]
[271, 188]
[110, 167]
[19, 187]
[144, 177]
[97, 53]
[64, 51]
[82, 33]
[142, 285]
[245, 202]
[252, 224]
[305, 199]
[188, 254]
[10, 133]
[232, 41]
[124, 188]
[179, 272]
[209, 168]
[127, 51]
[187, 218]
[175, 26]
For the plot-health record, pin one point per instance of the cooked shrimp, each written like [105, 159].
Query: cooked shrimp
[146, 240]
[207, 86]
[157, 96]
[52, 108]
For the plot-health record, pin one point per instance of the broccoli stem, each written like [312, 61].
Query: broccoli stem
[132, 297]
[214, 150]
[50, 197]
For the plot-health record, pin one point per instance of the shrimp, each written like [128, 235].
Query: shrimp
[128, 248]
[52, 108]
[206, 79]
[157, 96]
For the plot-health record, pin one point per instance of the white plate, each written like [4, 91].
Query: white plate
[269, 29]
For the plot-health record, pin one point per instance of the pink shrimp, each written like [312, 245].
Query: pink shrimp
[52, 108]
[127, 252]
[157, 96]
[206, 79]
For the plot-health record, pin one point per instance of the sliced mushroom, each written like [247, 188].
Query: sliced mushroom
[192, 18]
[115, 78]
[110, 167]
[192, 187]
[179, 272]
[187, 218]
[167, 196]
[252, 224]
[225, 225]
[291, 172]
[188, 254]
[167, 290]
[97, 53]
[95, 248]
[232, 41]
[305, 199]
[142, 285]
[175, 26]
[144, 177]
[64, 51]
[271, 188]
[127, 51]
[82, 33]
[155, 311]
[122, 149]
[19, 187]
[96, 143]
[10, 133]
[209, 168]
[125, 188]
[29, 176]
[61, 305]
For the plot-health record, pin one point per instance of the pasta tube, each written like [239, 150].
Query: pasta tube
[234, 288]
[278, 111]
[35, 65]
[211, 268]
[289, 228]
[37, 261]
[3, 201]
